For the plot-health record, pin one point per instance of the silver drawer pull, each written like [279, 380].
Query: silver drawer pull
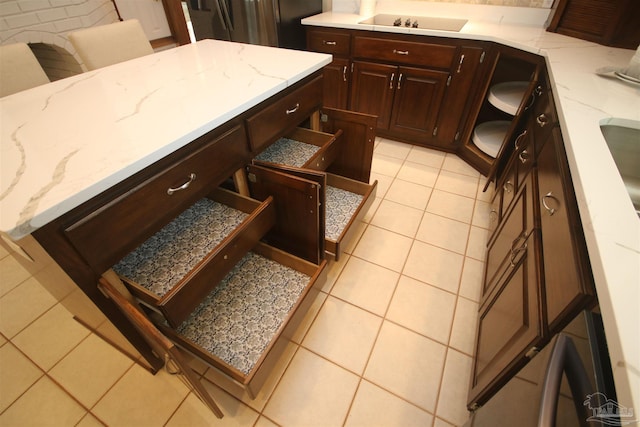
[329, 42]
[549, 195]
[542, 120]
[517, 142]
[460, 64]
[401, 52]
[508, 187]
[192, 177]
[294, 109]
[523, 156]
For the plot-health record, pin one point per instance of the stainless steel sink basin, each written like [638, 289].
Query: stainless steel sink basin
[623, 139]
[422, 22]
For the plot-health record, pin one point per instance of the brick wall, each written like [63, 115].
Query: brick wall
[44, 25]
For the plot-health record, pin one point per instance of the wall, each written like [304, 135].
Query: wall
[44, 25]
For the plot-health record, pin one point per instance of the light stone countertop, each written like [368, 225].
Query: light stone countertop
[64, 142]
[584, 100]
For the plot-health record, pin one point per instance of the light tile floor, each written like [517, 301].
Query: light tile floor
[388, 341]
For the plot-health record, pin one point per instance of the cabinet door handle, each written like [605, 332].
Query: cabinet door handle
[508, 187]
[523, 156]
[542, 120]
[344, 73]
[329, 42]
[549, 209]
[400, 81]
[460, 64]
[192, 177]
[515, 251]
[401, 52]
[517, 142]
[393, 76]
[294, 109]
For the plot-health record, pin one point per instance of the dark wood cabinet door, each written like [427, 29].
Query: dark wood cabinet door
[417, 101]
[510, 323]
[372, 90]
[336, 84]
[568, 285]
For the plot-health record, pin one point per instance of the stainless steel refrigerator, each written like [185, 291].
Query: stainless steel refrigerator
[265, 22]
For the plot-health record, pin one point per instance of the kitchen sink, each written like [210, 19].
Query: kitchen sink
[623, 139]
[421, 22]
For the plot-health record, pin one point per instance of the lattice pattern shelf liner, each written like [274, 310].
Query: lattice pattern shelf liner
[240, 317]
[288, 152]
[167, 256]
[341, 206]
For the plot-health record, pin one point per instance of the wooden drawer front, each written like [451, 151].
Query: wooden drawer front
[347, 202]
[404, 52]
[510, 238]
[114, 230]
[241, 349]
[283, 115]
[333, 42]
[303, 148]
[178, 266]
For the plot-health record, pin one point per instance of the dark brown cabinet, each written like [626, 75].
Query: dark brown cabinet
[337, 75]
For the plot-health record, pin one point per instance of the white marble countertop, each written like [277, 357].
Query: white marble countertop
[65, 142]
[583, 100]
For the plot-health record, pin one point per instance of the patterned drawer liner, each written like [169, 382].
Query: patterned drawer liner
[240, 317]
[288, 152]
[341, 206]
[170, 254]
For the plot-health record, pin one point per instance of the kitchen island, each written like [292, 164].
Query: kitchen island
[78, 147]
[583, 100]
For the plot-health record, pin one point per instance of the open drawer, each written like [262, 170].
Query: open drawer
[319, 209]
[303, 148]
[237, 325]
[178, 266]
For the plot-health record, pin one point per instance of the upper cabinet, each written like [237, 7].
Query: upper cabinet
[608, 22]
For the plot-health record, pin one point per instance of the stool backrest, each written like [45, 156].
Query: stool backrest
[19, 69]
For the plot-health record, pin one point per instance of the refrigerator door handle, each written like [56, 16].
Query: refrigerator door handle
[564, 359]
[227, 15]
[220, 15]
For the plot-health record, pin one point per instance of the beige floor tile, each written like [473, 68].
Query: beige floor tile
[44, 404]
[398, 218]
[477, 245]
[140, 398]
[373, 208]
[386, 165]
[22, 305]
[435, 266]
[443, 232]
[366, 285]
[438, 422]
[481, 214]
[463, 333]
[392, 148]
[17, 374]
[426, 156]
[407, 364]
[451, 206]
[11, 274]
[423, 308]
[352, 332]
[50, 337]
[90, 370]
[265, 422]
[409, 194]
[454, 163]
[418, 174]
[3, 339]
[374, 406]
[384, 182]
[453, 393]
[89, 421]
[383, 247]
[457, 183]
[318, 299]
[471, 280]
[312, 392]
[193, 413]
[333, 271]
[3, 250]
[483, 195]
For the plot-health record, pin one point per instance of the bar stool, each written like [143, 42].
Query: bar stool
[111, 43]
[19, 69]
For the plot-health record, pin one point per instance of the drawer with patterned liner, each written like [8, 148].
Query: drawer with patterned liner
[237, 325]
[303, 148]
[176, 267]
